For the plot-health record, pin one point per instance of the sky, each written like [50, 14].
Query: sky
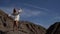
[40, 12]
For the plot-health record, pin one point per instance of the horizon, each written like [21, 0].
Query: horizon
[42, 12]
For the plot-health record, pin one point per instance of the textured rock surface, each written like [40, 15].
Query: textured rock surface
[54, 29]
[25, 27]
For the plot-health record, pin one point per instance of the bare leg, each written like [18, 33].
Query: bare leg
[14, 25]
[17, 25]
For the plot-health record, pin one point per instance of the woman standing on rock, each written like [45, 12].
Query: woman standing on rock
[16, 16]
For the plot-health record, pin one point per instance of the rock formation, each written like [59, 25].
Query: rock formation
[25, 27]
[54, 29]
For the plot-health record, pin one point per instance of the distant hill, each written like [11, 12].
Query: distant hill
[25, 27]
[54, 29]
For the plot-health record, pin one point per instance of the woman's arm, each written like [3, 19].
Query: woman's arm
[10, 15]
[20, 11]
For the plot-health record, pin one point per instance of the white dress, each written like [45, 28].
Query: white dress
[16, 17]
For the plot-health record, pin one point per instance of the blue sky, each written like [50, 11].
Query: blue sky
[41, 12]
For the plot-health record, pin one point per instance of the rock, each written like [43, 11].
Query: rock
[54, 29]
[25, 27]
[1, 32]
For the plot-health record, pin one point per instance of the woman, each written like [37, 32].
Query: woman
[16, 16]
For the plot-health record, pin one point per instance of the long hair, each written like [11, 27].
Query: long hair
[14, 10]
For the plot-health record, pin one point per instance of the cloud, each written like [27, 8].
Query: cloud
[35, 13]
[30, 13]
[34, 6]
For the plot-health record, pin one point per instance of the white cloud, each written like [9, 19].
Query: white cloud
[35, 13]
[30, 13]
[34, 6]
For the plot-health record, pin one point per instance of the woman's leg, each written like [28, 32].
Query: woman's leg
[16, 25]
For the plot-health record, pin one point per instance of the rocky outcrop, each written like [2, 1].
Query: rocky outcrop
[54, 29]
[25, 27]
